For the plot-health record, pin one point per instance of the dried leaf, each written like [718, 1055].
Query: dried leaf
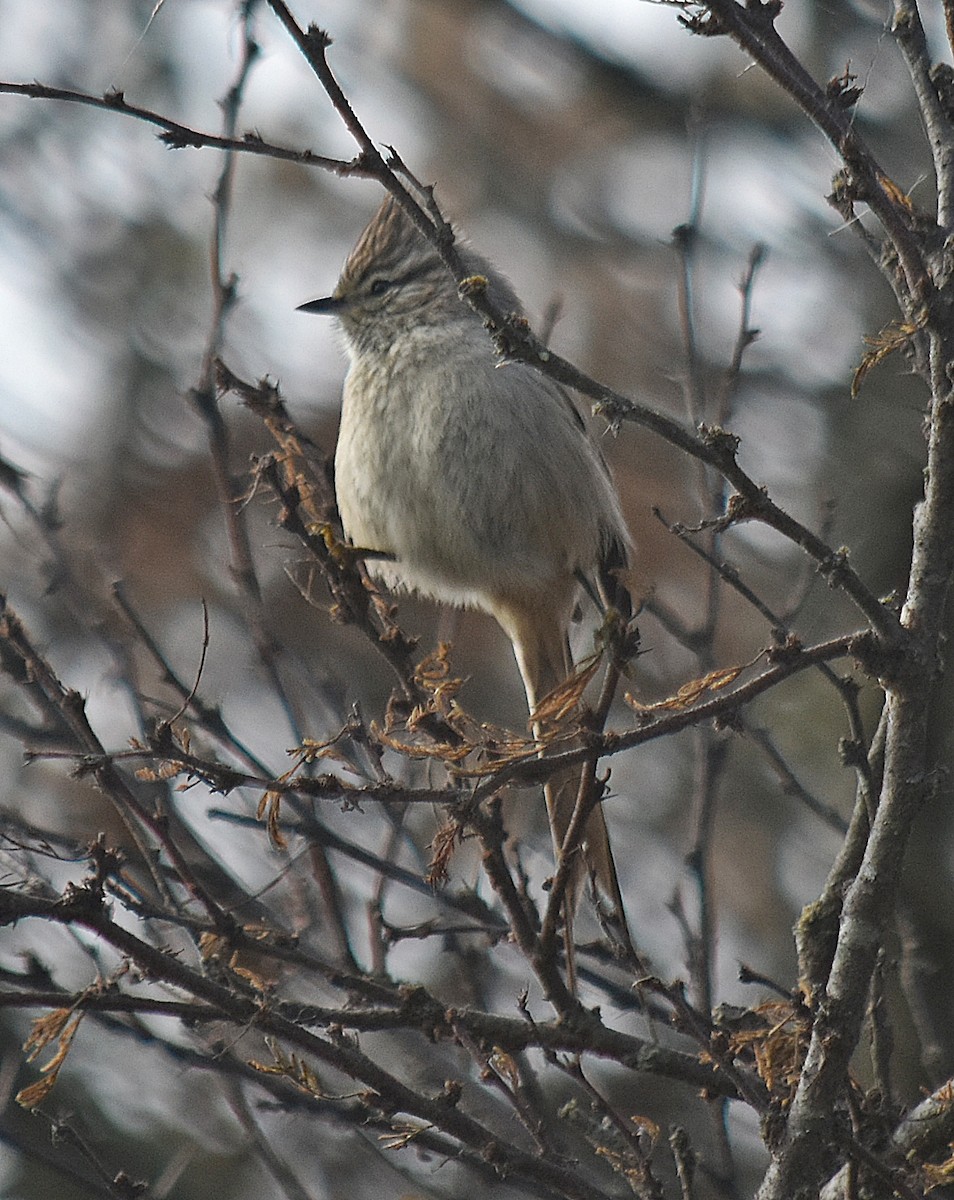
[779, 1045]
[162, 771]
[311, 750]
[36, 1093]
[270, 807]
[648, 1126]
[403, 1135]
[331, 753]
[894, 336]
[264, 1068]
[894, 193]
[529, 748]
[259, 933]
[45, 1030]
[565, 699]
[694, 690]
[939, 1174]
[444, 751]
[291, 1068]
[211, 945]
[506, 1067]
[60, 1025]
[443, 845]
[258, 982]
[433, 675]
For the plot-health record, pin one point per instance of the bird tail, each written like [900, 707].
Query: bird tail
[543, 655]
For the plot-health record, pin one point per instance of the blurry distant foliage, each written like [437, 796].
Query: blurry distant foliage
[279, 910]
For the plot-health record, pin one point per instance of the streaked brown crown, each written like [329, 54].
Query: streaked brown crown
[394, 280]
[390, 245]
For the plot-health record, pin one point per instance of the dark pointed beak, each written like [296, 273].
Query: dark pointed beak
[328, 305]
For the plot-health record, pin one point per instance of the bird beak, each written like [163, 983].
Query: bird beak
[328, 305]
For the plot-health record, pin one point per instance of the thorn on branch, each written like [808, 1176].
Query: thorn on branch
[451, 1093]
[81, 901]
[724, 444]
[786, 652]
[882, 660]
[834, 567]
[105, 861]
[844, 194]
[852, 753]
[178, 139]
[704, 23]
[514, 339]
[768, 11]
[843, 89]
[318, 39]
[684, 237]
[730, 721]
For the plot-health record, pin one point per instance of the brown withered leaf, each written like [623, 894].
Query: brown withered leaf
[35, 1093]
[779, 1045]
[445, 751]
[894, 193]
[478, 749]
[512, 748]
[165, 770]
[624, 1163]
[404, 1133]
[694, 690]
[486, 770]
[565, 699]
[60, 1026]
[211, 945]
[506, 1067]
[45, 1030]
[473, 285]
[648, 1126]
[412, 733]
[939, 1174]
[894, 336]
[435, 678]
[290, 1067]
[439, 686]
[443, 845]
[311, 751]
[258, 933]
[258, 982]
[270, 807]
[433, 672]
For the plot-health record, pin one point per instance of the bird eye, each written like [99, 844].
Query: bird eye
[379, 287]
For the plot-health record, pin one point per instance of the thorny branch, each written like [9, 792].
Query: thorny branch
[200, 963]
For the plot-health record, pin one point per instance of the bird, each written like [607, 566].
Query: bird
[473, 481]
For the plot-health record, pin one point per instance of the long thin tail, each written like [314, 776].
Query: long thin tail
[542, 651]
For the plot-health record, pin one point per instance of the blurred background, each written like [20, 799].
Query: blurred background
[567, 141]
